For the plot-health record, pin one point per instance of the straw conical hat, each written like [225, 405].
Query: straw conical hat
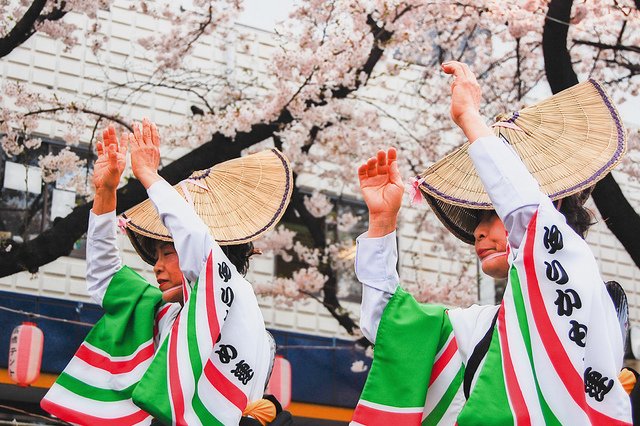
[239, 200]
[568, 142]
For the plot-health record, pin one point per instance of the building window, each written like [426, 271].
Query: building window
[28, 205]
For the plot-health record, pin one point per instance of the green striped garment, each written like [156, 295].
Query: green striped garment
[553, 358]
[212, 355]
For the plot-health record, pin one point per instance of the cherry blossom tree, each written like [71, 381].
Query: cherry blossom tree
[348, 77]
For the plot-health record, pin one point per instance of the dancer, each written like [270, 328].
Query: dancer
[193, 350]
[550, 353]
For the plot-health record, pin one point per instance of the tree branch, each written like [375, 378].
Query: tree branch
[26, 26]
[618, 214]
[614, 47]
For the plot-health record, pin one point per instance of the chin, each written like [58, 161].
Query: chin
[496, 268]
[172, 295]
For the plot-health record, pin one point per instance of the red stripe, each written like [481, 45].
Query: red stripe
[212, 314]
[102, 362]
[374, 417]
[515, 393]
[185, 292]
[444, 359]
[230, 391]
[561, 362]
[175, 387]
[77, 417]
[161, 313]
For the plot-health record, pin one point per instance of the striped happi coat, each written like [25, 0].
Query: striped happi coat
[212, 355]
[554, 355]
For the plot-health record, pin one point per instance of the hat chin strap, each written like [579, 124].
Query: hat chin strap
[173, 290]
[494, 255]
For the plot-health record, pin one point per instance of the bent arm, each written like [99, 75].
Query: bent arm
[376, 260]
[190, 234]
[513, 191]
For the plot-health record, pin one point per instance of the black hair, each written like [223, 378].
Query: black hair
[579, 218]
[238, 254]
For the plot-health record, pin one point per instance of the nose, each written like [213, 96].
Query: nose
[481, 231]
[157, 267]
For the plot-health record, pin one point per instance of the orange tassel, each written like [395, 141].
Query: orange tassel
[262, 410]
[627, 379]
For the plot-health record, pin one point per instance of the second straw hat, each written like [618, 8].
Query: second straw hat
[239, 200]
[568, 142]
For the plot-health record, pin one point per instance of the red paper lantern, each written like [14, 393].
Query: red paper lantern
[280, 381]
[25, 353]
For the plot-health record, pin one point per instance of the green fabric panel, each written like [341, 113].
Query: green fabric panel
[196, 362]
[518, 300]
[409, 337]
[81, 388]
[130, 305]
[436, 414]
[488, 403]
[152, 392]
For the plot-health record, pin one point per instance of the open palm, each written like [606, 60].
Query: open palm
[381, 184]
[112, 158]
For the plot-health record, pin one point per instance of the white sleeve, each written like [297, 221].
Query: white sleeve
[470, 325]
[103, 259]
[514, 193]
[376, 260]
[190, 234]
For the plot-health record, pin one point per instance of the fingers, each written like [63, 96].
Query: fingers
[155, 136]
[146, 132]
[372, 167]
[137, 133]
[113, 138]
[379, 165]
[394, 173]
[362, 172]
[392, 155]
[100, 148]
[459, 71]
[112, 151]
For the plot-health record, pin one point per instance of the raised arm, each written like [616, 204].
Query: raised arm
[103, 260]
[513, 191]
[377, 252]
[191, 236]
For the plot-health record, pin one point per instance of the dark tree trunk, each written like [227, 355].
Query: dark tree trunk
[26, 26]
[618, 214]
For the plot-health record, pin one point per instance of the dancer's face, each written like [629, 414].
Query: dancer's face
[168, 274]
[491, 245]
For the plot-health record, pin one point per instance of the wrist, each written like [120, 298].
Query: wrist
[474, 126]
[148, 178]
[379, 226]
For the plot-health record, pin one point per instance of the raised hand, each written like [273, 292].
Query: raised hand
[145, 152]
[382, 189]
[112, 159]
[465, 101]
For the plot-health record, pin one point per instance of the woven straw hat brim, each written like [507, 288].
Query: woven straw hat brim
[239, 200]
[568, 142]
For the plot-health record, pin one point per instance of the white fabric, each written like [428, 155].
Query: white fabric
[103, 259]
[376, 268]
[190, 234]
[513, 191]
[191, 239]
[500, 168]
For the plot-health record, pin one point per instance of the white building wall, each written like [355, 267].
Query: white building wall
[43, 63]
